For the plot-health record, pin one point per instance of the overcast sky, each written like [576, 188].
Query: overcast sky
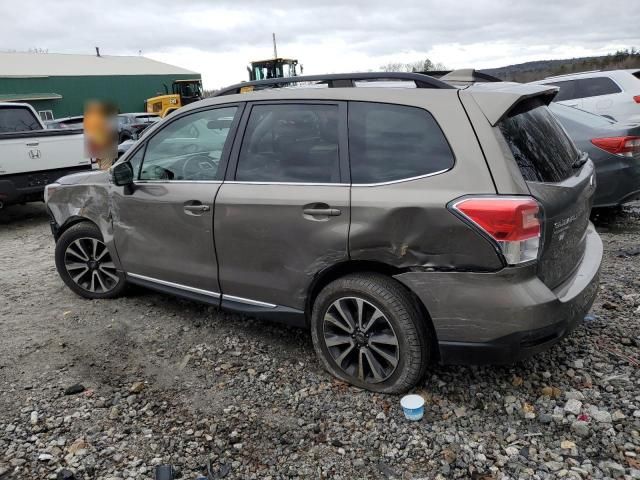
[219, 37]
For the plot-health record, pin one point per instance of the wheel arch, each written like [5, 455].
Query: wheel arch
[342, 269]
[70, 222]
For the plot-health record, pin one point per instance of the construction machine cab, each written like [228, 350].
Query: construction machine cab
[183, 92]
[189, 90]
[273, 68]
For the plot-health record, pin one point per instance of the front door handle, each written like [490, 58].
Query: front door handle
[328, 212]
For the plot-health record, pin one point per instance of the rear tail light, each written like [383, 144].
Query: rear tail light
[513, 223]
[624, 146]
[636, 99]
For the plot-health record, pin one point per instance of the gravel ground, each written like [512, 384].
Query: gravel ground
[171, 381]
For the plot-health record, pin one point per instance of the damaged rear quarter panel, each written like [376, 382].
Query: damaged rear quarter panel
[85, 196]
[406, 224]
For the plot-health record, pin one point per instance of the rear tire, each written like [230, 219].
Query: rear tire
[85, 265]
[368, 331]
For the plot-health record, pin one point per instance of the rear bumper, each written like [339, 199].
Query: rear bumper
[28, 187]
[505, 316]
[10, 193]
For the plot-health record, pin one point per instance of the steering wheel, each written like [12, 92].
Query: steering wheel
[199, 167]
[190, 148]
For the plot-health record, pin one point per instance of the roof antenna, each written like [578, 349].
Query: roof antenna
[275, 49]
[97, 51]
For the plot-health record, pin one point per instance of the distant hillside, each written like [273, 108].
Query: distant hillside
[529, 71]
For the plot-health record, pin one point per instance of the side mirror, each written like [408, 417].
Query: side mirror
[122, 174]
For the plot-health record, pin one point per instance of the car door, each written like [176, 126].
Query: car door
[283, 214]
[163, 226]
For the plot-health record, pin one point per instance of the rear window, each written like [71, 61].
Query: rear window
[541, 148]
[394, 142]
[597, 86]
[584, 87]
[17, 120]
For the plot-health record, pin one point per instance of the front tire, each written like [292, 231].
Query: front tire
[368, 331]
[85, 264]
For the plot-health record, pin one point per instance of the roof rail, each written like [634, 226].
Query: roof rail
[571, 74]
[335, 80]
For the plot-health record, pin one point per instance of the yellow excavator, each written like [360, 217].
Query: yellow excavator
[182, 93]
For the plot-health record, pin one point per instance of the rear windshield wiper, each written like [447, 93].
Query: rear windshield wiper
[581, 160]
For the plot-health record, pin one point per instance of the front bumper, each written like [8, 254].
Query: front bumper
[508, 315]
[55, 228]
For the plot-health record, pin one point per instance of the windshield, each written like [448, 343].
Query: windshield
[188, 89]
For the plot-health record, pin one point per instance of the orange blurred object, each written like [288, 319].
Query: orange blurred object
[100, 132]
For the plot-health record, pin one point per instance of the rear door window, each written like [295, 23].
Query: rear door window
[567, 91]
[394, 142]
[17, 120]
[290, 143]
[540, 146]
[596, 86]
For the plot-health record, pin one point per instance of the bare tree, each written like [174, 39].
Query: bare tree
[417, 66]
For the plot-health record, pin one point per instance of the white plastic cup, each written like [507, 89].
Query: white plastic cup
[413, 407]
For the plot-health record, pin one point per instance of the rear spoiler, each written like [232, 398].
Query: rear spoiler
[461, 75]
[498, 100]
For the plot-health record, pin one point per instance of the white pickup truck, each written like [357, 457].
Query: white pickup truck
[32, 156]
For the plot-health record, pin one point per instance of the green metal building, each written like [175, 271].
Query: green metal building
[58, 85]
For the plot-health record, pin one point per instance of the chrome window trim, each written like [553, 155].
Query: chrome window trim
[239, 182]
[390, 182]
[248, 301]
[137, 182]
[175, 285]
[401, 180]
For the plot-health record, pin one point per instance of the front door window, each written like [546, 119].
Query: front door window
[189, 148]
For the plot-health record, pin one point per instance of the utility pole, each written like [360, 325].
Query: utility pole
[275, 49]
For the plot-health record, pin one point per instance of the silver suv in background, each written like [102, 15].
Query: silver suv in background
[401, 226]
[614, 94]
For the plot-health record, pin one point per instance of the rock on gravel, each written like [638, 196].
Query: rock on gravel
[74, 389]
[573, 406]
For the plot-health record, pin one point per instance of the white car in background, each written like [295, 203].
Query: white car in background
[32, 157]
[614, 94]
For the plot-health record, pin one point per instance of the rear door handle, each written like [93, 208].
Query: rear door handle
[196, 208]
[328, 212]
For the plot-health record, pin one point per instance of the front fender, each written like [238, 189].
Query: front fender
[70, 204]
